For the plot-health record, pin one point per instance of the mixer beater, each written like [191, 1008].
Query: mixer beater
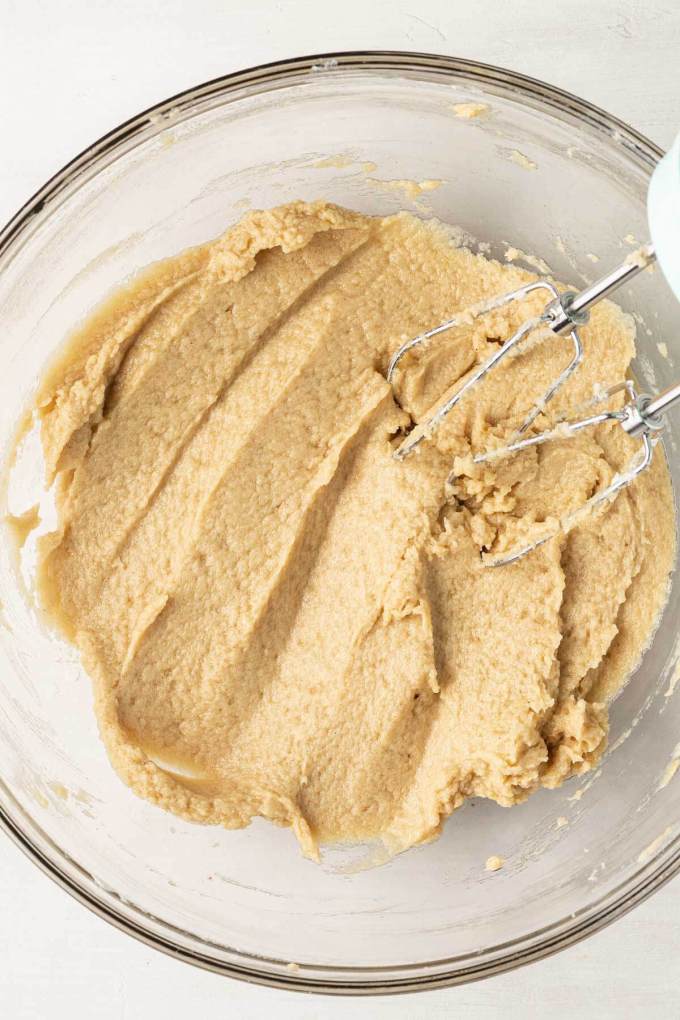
[642, 414]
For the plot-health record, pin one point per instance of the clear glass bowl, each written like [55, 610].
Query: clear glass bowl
[246, 903]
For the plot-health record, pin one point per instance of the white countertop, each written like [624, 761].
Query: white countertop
[68, 73]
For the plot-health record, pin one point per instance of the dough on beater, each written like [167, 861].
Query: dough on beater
[279, 618]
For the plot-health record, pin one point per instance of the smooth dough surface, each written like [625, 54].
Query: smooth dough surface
[280, 618]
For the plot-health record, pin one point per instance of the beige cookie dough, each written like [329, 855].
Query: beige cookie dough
[281, 619]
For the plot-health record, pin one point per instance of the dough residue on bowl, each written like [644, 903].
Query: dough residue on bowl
[494, 863]
[281, 619]
[470, 110]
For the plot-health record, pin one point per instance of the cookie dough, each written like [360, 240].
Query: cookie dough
[281, 619]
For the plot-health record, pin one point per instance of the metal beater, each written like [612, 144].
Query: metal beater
[641, 416]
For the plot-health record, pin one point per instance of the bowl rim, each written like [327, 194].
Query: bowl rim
[66, 872]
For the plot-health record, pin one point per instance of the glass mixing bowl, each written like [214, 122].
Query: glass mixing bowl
[540, 169]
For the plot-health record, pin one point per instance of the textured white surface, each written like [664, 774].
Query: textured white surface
[68, 73]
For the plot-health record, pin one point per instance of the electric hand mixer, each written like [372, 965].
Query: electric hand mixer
[641, 417]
